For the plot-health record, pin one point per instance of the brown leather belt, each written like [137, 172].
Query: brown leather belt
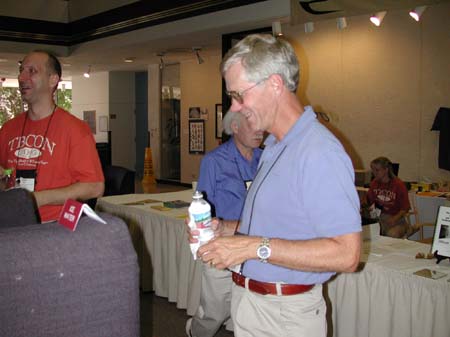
[265, 288]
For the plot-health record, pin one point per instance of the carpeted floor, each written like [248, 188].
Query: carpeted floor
[159, 318]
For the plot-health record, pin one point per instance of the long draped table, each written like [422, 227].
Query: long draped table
[161, 243]
[383, 299]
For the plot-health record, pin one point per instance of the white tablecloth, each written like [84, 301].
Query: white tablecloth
[160, 239]
[383, 299]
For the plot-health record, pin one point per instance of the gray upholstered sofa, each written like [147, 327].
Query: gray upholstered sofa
[58, 283]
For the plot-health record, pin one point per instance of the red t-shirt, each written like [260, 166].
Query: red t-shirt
[393, 196]
[66, 156]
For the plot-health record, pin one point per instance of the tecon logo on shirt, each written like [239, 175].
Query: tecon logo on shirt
[30, 146]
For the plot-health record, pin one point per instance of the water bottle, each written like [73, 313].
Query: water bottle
[200, 218]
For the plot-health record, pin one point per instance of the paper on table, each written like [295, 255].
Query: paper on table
[428, 273]
[141, 202]
[161, 208]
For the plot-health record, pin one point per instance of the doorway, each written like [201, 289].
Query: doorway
[170, 122]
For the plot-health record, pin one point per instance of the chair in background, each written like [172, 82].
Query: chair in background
[118, 180]
[414, 213]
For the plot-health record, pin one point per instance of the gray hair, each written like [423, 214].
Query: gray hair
[229, 118]
[262, 55]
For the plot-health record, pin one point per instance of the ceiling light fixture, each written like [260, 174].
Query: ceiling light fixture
[309, 27]
[197, 50]
[129, 59]
[341, 23]
[87, 74]
[377, 18]
[417, 12]
[276, 29]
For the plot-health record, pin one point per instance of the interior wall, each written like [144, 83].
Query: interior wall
[200, 87]
[381, 86]
[122, 104]
[92, 94]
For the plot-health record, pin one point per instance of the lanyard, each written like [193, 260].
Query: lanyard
[259, 186]
[36, 169]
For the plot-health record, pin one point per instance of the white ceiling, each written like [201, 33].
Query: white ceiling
[175, 39]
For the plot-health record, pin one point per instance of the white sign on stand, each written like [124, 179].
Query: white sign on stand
[441, 240]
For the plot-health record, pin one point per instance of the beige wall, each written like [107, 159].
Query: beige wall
[381, 86]
[200, 87]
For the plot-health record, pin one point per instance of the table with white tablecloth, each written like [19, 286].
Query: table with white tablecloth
[161, 243]
[383, 299]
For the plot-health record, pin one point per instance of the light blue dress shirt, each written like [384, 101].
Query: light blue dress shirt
[223, 173]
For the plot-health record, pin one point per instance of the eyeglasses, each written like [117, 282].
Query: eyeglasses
[238, 96]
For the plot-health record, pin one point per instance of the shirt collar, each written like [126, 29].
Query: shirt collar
[308, 117]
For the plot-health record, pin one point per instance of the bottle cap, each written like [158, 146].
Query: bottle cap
[197, 195]
[8, 172]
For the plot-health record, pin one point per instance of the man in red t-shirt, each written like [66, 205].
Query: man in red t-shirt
[52, 153]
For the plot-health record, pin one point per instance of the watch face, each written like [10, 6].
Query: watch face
[263, 252]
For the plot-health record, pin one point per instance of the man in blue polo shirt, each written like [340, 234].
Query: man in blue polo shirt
[225, 174]
[300, 222]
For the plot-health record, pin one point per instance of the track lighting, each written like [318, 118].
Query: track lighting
[341, 23]
[377, 18]
[87, 74]
[196, 50]
[417, 12]
[276, 29]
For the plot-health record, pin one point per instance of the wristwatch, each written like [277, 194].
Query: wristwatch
[264, 251]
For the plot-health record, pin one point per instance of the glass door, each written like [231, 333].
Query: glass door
[170, 122]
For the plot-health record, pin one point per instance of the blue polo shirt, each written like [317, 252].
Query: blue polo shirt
[304, 189]
[223, 173]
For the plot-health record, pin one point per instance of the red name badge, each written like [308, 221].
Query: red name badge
[71, 213]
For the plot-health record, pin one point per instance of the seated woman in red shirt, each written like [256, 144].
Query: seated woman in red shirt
[389, 194]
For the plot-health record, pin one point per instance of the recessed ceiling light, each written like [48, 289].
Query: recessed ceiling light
[3, 60]
[129, 60]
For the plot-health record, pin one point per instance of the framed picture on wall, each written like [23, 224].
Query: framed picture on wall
[196, 136]
[219, 117]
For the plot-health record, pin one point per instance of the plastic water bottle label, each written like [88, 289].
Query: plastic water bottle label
[202, 220]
